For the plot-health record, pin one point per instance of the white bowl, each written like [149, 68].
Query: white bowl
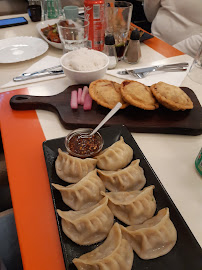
[44, 24]
[84, 77]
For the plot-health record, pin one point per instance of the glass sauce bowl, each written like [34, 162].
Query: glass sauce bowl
[79, 143]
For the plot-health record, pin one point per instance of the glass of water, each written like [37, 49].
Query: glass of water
[52, 9]
[73, 34]
[195, 72]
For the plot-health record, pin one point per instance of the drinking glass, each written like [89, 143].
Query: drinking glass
[73, 34]
[52, 9]
[34, 10]
[118, 19]
[71, 12]
[195, 72]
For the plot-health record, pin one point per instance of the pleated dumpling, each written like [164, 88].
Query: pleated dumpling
[154, 238]
[115, 157]
[127, 179]
[83, 194]
[114, 254]
[88, 226]
[132, 207]
[72, 169]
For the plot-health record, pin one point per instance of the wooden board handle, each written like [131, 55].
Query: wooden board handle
[26, 102]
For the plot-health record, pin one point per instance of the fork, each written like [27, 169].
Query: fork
[142, 75]
[168, 68]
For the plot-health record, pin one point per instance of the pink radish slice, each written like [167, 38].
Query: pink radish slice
[79, 95]
[87, 106]
[73, 102]
[85, 91]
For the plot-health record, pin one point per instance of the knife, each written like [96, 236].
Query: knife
[154, 68]
[41, 73]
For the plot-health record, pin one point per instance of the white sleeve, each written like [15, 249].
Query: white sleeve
[151, 8]
[190, 45]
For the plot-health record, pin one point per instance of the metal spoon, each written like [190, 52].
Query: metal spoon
[107, 117]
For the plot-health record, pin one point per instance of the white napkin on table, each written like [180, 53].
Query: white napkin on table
[46, 62]
[174, 78]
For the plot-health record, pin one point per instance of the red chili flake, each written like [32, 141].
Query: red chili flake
[84, 144]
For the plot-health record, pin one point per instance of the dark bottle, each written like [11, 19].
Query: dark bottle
[34, 10]
[133, 52]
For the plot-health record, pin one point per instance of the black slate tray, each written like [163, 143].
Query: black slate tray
[186, 254]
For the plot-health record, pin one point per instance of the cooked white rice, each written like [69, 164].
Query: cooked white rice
[85, 60]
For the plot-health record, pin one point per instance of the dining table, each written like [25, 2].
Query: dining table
[171, 156]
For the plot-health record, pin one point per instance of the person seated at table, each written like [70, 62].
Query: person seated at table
[179, 23]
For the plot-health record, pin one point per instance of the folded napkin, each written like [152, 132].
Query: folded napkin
[174, 78]
[46, 62]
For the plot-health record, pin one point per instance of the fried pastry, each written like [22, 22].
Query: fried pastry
[138, 95]
[106, 93]
[172, 97]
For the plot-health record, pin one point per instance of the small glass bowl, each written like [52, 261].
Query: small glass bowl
[79, 143]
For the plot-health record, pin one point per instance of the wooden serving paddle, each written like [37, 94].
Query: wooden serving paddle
[162, 120]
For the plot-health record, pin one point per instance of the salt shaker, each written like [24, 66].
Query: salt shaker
[110, 50]
[133, 51]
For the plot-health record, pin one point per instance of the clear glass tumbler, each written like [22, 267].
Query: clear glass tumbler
[52, 9]
[73, 34]
[118, 18]
[195, 72]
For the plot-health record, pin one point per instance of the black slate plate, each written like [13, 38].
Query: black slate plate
[186, 254]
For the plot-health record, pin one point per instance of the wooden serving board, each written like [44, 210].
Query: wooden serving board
[162, 120]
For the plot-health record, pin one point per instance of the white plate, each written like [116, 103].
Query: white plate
[17, 49]
[43, 24]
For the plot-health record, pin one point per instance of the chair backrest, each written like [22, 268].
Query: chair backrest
[9, 7]
[9, 247]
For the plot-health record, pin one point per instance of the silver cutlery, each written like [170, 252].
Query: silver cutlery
[143, 72]
[56, 70]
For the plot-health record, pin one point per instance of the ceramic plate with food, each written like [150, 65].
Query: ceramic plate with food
[48, 31]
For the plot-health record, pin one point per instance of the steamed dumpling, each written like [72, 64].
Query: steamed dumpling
[132, 207]
[154, 238]
[127, 179]
[115, 157]
[88, 226]
[83, 194]
[72, 169]
[115, 253]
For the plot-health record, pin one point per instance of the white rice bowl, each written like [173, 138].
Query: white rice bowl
[84, 65]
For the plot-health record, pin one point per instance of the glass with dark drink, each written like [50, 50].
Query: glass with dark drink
[120, 48]
[118, 18]
[34, 10]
